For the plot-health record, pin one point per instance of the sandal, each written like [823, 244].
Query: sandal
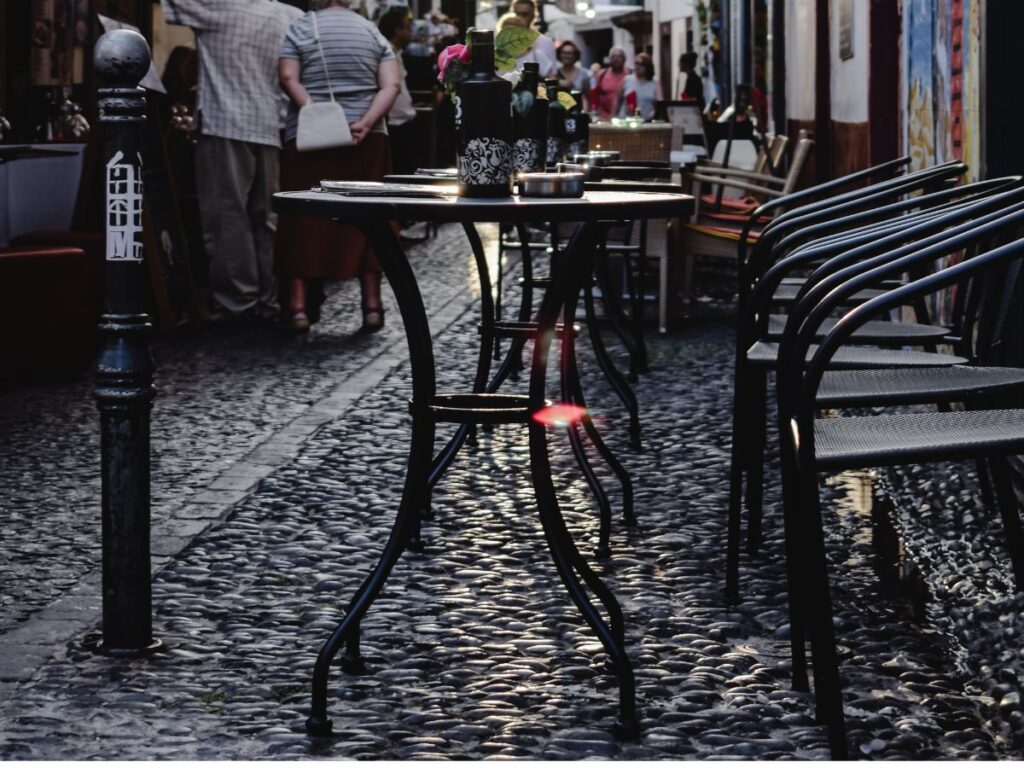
[373, 319]
[297, 321]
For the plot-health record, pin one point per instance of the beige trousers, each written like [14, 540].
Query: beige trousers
[235, 181]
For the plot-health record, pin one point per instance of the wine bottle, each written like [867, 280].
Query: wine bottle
[530, 122]
[485, 132]
[578, 127]
[556, 124]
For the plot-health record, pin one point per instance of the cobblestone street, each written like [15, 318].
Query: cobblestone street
[276, 461]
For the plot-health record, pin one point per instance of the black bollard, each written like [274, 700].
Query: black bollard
[124, 375]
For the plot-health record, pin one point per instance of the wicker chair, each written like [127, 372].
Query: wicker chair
[840, 443]
[716, 234]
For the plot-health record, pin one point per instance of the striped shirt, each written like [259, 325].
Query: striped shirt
[238, 41]
[354, 49]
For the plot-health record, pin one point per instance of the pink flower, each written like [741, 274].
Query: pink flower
[457, 51]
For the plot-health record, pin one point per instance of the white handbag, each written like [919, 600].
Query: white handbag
[323, 125]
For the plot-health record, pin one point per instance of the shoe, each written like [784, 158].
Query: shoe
[373, 319]
[296, 321]
[262, 313]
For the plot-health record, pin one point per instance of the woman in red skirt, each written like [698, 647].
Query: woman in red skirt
[358, 65]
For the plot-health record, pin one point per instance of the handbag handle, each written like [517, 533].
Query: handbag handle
[323, 59]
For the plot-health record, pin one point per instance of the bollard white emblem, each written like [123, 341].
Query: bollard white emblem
[124, 210]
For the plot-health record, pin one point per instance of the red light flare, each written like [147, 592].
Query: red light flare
[560, 415]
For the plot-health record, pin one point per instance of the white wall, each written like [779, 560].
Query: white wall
[800, 58]
[850, 77]
[674, 12]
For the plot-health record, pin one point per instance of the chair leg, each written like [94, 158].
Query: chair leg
[828, 688]
[793, 553]
[663, 294]
[755, 460]
[985, 483]
[740, 403]
[1009, 510]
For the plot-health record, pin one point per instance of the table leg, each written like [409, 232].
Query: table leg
[613, 309]
[512, 363]
[407, 523]
[572, 376]
[615, 378]
[467, 432]
[572, 568]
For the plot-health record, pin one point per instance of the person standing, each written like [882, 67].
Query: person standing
[570, 74]
[689, 86]
[396, 27]
[333, 49]
[640, 91]
[238, 154]
[608, 85]
[533, 56]
[544, 47]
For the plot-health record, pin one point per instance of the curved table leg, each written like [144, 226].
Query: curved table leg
[570, 564]
[467, 432]
[615, 378]
[577, 397]
[613, 309]
[406, 527]
[513, 362]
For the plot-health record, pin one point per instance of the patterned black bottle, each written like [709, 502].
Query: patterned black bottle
[556, 124]
[485, 133]
[577, 126]
[530, 122]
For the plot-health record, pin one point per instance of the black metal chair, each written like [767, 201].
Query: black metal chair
[810, 444]
[756, 353]
[765, 328]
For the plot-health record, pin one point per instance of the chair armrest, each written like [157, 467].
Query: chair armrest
[744, 185]
[742, 174]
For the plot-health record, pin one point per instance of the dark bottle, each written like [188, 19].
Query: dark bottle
[556, 124]
[485, 132]
[577, 126]
[530, 122]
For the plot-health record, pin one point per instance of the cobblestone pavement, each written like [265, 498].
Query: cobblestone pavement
[474, 648]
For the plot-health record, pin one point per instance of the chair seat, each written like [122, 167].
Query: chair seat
[872, 332]
[875, 441]
[724, 233]
[904, 386]
[767, 353]
[738, 204]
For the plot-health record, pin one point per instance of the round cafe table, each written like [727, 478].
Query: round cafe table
[373, 216]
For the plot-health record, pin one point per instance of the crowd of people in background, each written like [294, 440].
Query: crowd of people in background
[255, 55]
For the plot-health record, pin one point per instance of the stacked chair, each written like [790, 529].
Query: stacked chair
[718, 221]
[842, 266]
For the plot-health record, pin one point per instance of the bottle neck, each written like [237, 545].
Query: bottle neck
[481, 61]
[529, 82]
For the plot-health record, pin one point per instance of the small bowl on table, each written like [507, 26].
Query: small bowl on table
[551, 184]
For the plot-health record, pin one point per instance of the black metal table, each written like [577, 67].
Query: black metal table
[373, 216]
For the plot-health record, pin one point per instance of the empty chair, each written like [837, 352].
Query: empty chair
[812, 444]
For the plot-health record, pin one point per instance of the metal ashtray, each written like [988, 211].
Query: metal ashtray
[551, 184]
[590, 172]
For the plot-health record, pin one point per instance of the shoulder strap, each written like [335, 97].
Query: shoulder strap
[323, 59]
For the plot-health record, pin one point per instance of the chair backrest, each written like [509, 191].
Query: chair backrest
[999, 227]
[877, 173]
[832, 253]
[867, 204]
[796, 165]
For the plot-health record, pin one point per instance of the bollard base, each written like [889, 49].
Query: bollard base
[319, 726]
[95, 644]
